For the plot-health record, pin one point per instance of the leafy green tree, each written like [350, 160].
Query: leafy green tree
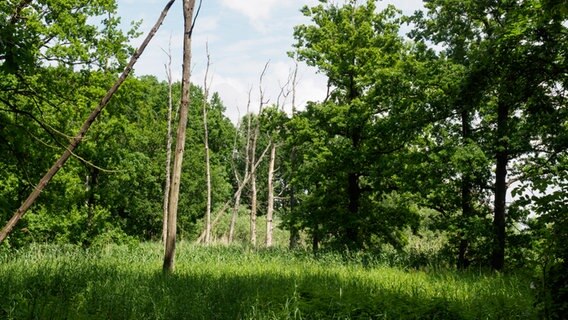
[348, 143]
[513, 54]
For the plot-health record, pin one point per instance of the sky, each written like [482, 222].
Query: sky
[242, 36]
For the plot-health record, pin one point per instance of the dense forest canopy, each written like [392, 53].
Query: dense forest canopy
[456, 132]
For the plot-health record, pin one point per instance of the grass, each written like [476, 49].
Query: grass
[125, 282]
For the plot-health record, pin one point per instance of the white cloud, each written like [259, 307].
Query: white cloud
[253, 9]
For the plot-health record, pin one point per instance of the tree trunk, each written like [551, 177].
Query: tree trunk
[315, 239]
[235, 214]
[466, 205]
[270, 210]
[207, 158]
[241, 184]
[294, 232]
[168, 152]
[253, 205]
[354, 193]
[256, 133]
[84, 128]
[169, 254]
[500, 205]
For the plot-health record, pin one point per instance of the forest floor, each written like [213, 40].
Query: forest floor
[219, 282]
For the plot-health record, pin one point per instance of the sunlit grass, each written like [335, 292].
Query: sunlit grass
[126, 282]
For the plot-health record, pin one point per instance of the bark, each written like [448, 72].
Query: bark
[500, 206]
[354, 194]
[315, 239]
[256, 133]
[168, 151]
[207, 158]
[253, 209]
[169, 261]
[235, 214]
[238, 194]
[84, 128]
[294, 232]
[270, 209]
[466, 198]
[241, 184]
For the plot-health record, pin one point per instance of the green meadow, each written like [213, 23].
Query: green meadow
[220, 282]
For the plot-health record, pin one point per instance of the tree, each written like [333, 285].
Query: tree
[512, 53]
[188, 6]
[349, 140]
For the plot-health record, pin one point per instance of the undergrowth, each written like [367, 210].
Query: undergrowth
[219, 282]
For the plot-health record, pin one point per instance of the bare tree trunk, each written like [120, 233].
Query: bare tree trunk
[253, 205]
[241, 184]
[168, 149]
[207, 161]
[256, 133]
[270, 210]
[188, 6]
[294, 232]
[235, 214]
[84, 128]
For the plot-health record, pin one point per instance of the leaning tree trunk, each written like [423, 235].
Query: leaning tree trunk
[169, 254]
[84, 128]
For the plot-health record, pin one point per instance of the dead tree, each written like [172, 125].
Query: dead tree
[167, 185]
[240, 183]
[256, 133]
[207, 158]
[169, 254]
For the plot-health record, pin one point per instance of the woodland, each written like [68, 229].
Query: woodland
[437, 155]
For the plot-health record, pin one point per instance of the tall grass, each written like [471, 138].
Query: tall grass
[126, 282]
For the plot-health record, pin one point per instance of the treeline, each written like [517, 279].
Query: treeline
[457, 128]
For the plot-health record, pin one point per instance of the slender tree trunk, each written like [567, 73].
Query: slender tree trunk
[168, 150]
[270, 210]
[84, 128]
[241, 184]
[315, 239]
[207, 158]
[466, 198]
[256, 133]
[235, 214]
[169, 262]
[238, 194]
[500, 205]
[253, 193]
[354, 194]
[294, 232]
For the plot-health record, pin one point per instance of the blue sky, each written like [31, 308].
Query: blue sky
[243, 35]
